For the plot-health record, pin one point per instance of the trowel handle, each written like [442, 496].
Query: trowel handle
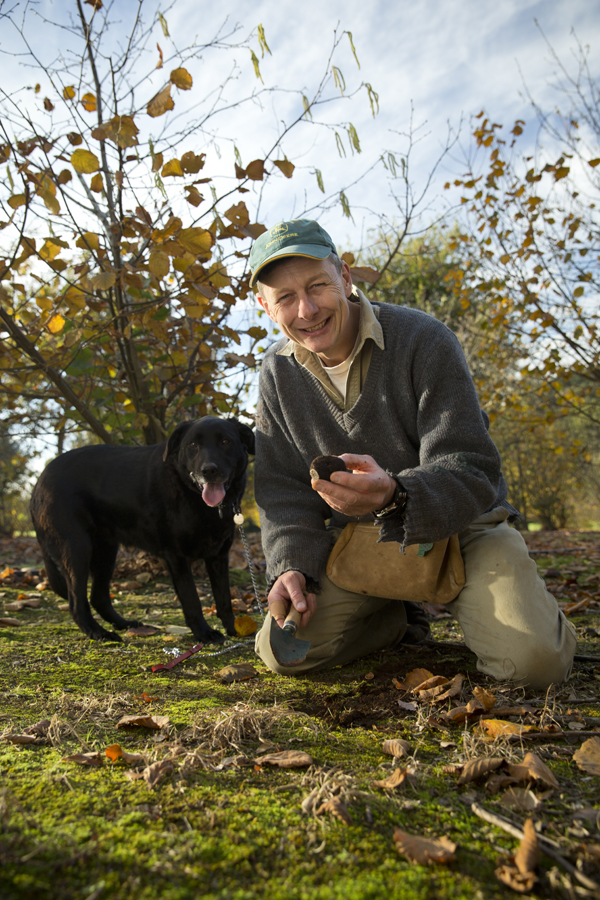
[292, 621]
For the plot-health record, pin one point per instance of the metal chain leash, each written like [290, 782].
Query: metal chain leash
[239, 521]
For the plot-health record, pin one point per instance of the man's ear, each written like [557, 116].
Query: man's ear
[175, 439]
[246, 434]
[266, 307]
[346, 278]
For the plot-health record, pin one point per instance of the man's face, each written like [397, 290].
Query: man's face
[308, 300]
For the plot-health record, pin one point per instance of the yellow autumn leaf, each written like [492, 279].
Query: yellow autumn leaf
[245, 625]
[85, 162]
[159, 263]
[238, 214]
[75, 297]
[16, 200]
[51, 248]
[195, 240]
[161, 102]
[56, 324]
[103, 281]
[256, 170]
[44, 303]
[285, 166]
[89, 103]
[218, 276]
[493, 728]
[192, 162]
[69, 92]
[97, 183]
[173, 167]
[121, 130]
[50, 202]
[88, 241]
[182, 79]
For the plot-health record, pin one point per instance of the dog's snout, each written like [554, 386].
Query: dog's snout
[209, 470]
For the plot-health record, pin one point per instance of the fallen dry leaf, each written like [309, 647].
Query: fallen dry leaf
[39, 728]
[146, 697]
[486, 698]
[433, 682]
[411, 706]
[7, 622]
[498, 781]
[533, 767]
[14, 738]
[397, 778]
[477, 768]
[512, 878]
[177, 629]
[415, 678]
[142, 631]
[245, 625]
[153, 774]
[424, 851]
[85, 759]
[588, 756]
[527, 856]
[143, 721]
[115, 752]
[336, 808]
[521, 799]
[22, 604]
[453, 690]
[239, 672]
[493, 728]
[286, 759]
[460, 714]
[396, 747]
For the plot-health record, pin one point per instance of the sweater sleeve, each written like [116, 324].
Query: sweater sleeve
[459, 473]
[292, 515]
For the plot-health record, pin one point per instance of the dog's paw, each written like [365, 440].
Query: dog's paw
[129, 623]
[210, 636]
[103, 635]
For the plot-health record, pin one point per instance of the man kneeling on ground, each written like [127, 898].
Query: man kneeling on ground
[387, 388]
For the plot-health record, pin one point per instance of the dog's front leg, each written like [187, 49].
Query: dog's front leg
[183, 580]
[218, 572]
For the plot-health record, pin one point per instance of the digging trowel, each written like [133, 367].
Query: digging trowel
[287, 649]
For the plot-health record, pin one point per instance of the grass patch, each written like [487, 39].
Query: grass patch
[219, 824]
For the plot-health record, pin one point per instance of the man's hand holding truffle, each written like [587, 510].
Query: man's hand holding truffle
[360, 491]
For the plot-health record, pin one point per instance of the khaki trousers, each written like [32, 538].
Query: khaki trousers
[508, 617]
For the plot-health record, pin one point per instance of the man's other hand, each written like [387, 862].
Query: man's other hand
[364, 489]
[291, 588]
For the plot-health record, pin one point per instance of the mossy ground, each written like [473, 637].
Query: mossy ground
[237, 832]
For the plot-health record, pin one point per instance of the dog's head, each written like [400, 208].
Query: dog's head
[210, 454]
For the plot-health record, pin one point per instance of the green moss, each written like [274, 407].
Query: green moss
[236, 833]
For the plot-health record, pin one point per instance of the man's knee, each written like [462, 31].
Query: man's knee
[533, 661]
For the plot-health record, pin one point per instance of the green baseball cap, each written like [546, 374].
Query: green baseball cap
[298, 237]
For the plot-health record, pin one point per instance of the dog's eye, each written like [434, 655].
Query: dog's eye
[225, 441]
[192, 444]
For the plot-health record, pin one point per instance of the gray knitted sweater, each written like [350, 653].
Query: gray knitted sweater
[419, 417]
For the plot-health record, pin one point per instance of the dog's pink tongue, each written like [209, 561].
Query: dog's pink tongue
[212, 494]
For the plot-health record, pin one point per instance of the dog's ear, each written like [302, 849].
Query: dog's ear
[246, 434]
[175, 439]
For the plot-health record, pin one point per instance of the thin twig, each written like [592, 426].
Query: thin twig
[511, 829]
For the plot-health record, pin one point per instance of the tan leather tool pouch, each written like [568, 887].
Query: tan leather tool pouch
[424, 573]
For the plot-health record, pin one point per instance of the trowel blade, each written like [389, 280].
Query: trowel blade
[287, 649]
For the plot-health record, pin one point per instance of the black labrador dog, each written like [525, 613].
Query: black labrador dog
[176, 500]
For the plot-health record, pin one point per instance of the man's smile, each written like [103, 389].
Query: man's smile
[316, 327]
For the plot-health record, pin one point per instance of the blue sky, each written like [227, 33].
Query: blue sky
[448, 59]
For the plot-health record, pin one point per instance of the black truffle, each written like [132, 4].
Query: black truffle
[322, 466]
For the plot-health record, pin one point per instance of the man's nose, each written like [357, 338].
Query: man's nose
[306, 307]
